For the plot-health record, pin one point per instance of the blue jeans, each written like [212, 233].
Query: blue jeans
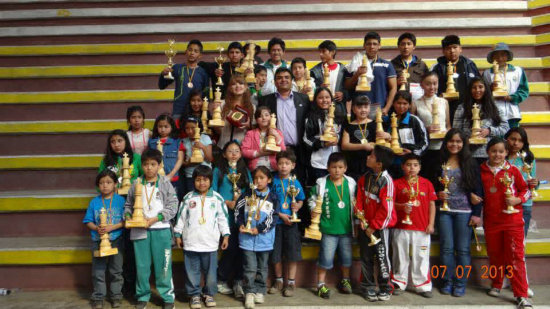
[455, 237]
[255, 271]
[197, 263]
[527, 211]
[329, 245]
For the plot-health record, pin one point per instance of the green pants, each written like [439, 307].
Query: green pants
[155, 249]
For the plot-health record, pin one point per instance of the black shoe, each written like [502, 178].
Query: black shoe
[370, 295]
[141, 305]
[427, 294]
[97, 304]
[383, 296]
[168, 306]
[116, 303]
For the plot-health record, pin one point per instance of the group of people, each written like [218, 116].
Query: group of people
[244, 198]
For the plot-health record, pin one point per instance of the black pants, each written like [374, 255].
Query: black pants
[372, 255]
[129, 265]
[231, 263]
[300, 171]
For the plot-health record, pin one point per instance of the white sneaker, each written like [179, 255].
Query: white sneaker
[259, 298]
[238, 289]
[249, 301]
[530, 293]
[224, 289]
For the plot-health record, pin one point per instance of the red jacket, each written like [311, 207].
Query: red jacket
[494, 202]
[377, 202]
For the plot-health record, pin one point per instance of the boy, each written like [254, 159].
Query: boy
[106, 183]
[287, 235]
[464, 70]
[384, 86]
[234, 55]
[153, 245]
[260, 72]
[201, 221]
[338, 191]
[299, 80]
[375, 194]
[416, 68]
[187, 76]
[515, 81]
[276, 50]
[414, 197]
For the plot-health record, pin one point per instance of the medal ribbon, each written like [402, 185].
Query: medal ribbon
[149, 199]
[192, 74]
[203, 200]
[109, 211]
[283, 186]
[340, 196]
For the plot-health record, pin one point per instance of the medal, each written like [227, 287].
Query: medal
[285, 205]
[364, 141]
[202, 220]
[190, 85]
[493, 189]
[341, 205]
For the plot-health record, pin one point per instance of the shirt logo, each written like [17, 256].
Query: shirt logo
[192, 204]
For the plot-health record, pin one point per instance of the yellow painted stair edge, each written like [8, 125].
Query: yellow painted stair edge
[71, 126]
[535, 4]
[50, 162]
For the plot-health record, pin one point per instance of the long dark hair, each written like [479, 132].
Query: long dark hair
[466, 162]
[316, 113]
[488, 107]
[523, 134]
[173, 134]
[111, 158]
[223, 166]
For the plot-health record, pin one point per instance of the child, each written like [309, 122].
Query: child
[414, 197]
[255, 140]
[117, 145]
[230, 264]
[464, 70]
[357, 137]
[187, 77]
[314, 129]
[137, 134]
[338, 192]
[234, 55]
[504, 232]
[513, 78]
[338, 74]
[201, 221]
[299, 82]
[416, 68]
[260, 73]
[375, 194]
[276, 50]
[106, 182]
[257, 241]
[493, 123]
[194, 109]
[287, 235]
[153, 245]
[205, 146]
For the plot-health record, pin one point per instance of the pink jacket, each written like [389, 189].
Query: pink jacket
[251, 145]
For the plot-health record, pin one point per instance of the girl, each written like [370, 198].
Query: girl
[117, 145]
[356, 137]
[230, 264]
[254, 141]
[493, 121]
[314, 129]
[465, 203]
[504, 229]
[205, 146]
[237, 95]
[255, 215]
[299, 82]
[194, 109]
[137, 134]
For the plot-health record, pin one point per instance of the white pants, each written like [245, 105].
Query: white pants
[411, 245]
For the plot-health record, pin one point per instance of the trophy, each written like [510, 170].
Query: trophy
[507, 182]
[234, 178]
[475, 139]
[361, 217]
[527, 169]
[328, 134]
[326, 76]
[204, 117]
[413, 194]
[445, 181]
[105, 248]
[394, 136]
[161, 167]
[450, 93]
[293, 191]
[137, 220]
[363, 84]
[478, 246]
[250, 77]
[196, 155]
[252, 202]
[404, 73]
[436, 123]
[220, 60]
[308, 85]
[125, 184]
[313, 231]
[216, 120]
[379, 128]
[500, 90]
[271, 144]
[170, 53]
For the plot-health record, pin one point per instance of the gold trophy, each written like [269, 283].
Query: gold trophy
[293, 191]
[475, 139]
[125, 183]
[250, 77]
[217, 120]
[220, 60]
[379, 128]
[445, 181]
[394, 136]
[413, 194]
[313, 232]
[328, 134]
[308, 85]
[161, 167]
[405, 74]
[478, 246]
[196, 155]
[435, 122]
[234, 178]
[271, 144]
[326, 76]
[500, 90]
[204, 117]
[105, 248]
[252, 202]
[450, 93]
[170, 53]
[527, 169]
[363, 84]
[373, 239]
[507, 182]
[137, 220]
[244, 64]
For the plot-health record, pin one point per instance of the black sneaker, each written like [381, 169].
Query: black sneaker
[141, 305]
[323, 292]
[345, 286]
[523, 303]
[427, 294]
[383, 296]
[370, 295]
[116, 303]
[97, 304]
[397, 290]
[168, 306]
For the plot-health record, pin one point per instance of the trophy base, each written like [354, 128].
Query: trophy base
[478, 141]
[329, 138]
[105, 252]
[450, 95]
[196, 156]
[500, 93]
[295, 220]
[373, 242]
[196, 160]
[272, 148]
[169, 76]
[510, 211]
[397, 150]
[444, 209]
[407, 222]
[313, 234]
[135, 224]
[240, 70]
[362, 88]
[437, 135]
[216, 123]
[123, 191]
[251, 80]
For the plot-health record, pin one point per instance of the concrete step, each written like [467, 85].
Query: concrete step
[70, 179]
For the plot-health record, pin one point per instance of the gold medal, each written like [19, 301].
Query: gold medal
[364, 141]
[190, 85]
[285, 205]
[202, 220]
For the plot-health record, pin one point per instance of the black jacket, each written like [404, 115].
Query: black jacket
[466, 70]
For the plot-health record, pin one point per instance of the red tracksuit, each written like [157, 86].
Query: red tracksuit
[504, 232]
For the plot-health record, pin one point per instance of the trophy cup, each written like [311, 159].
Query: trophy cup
[413, 194]
[252, 202]
[405, 74]
[328, 133]
[308, 85]
[373, 239]
[326, 76]
[507, 182]
[394, 136]
[125, 183]
[137, 220]
[475, 139]
[216, 120]
[196, 155]
[105, 248]
[445, 181]
[363, 84]
[204, 117]
[313, 232]
[234, 178]
[527, 169]
[161, 167]
[500, 90]
[170, 53]
[436, 123]
[220, 60]
[293, 191]
[250, 77]
[271, 144]
[450, 93]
